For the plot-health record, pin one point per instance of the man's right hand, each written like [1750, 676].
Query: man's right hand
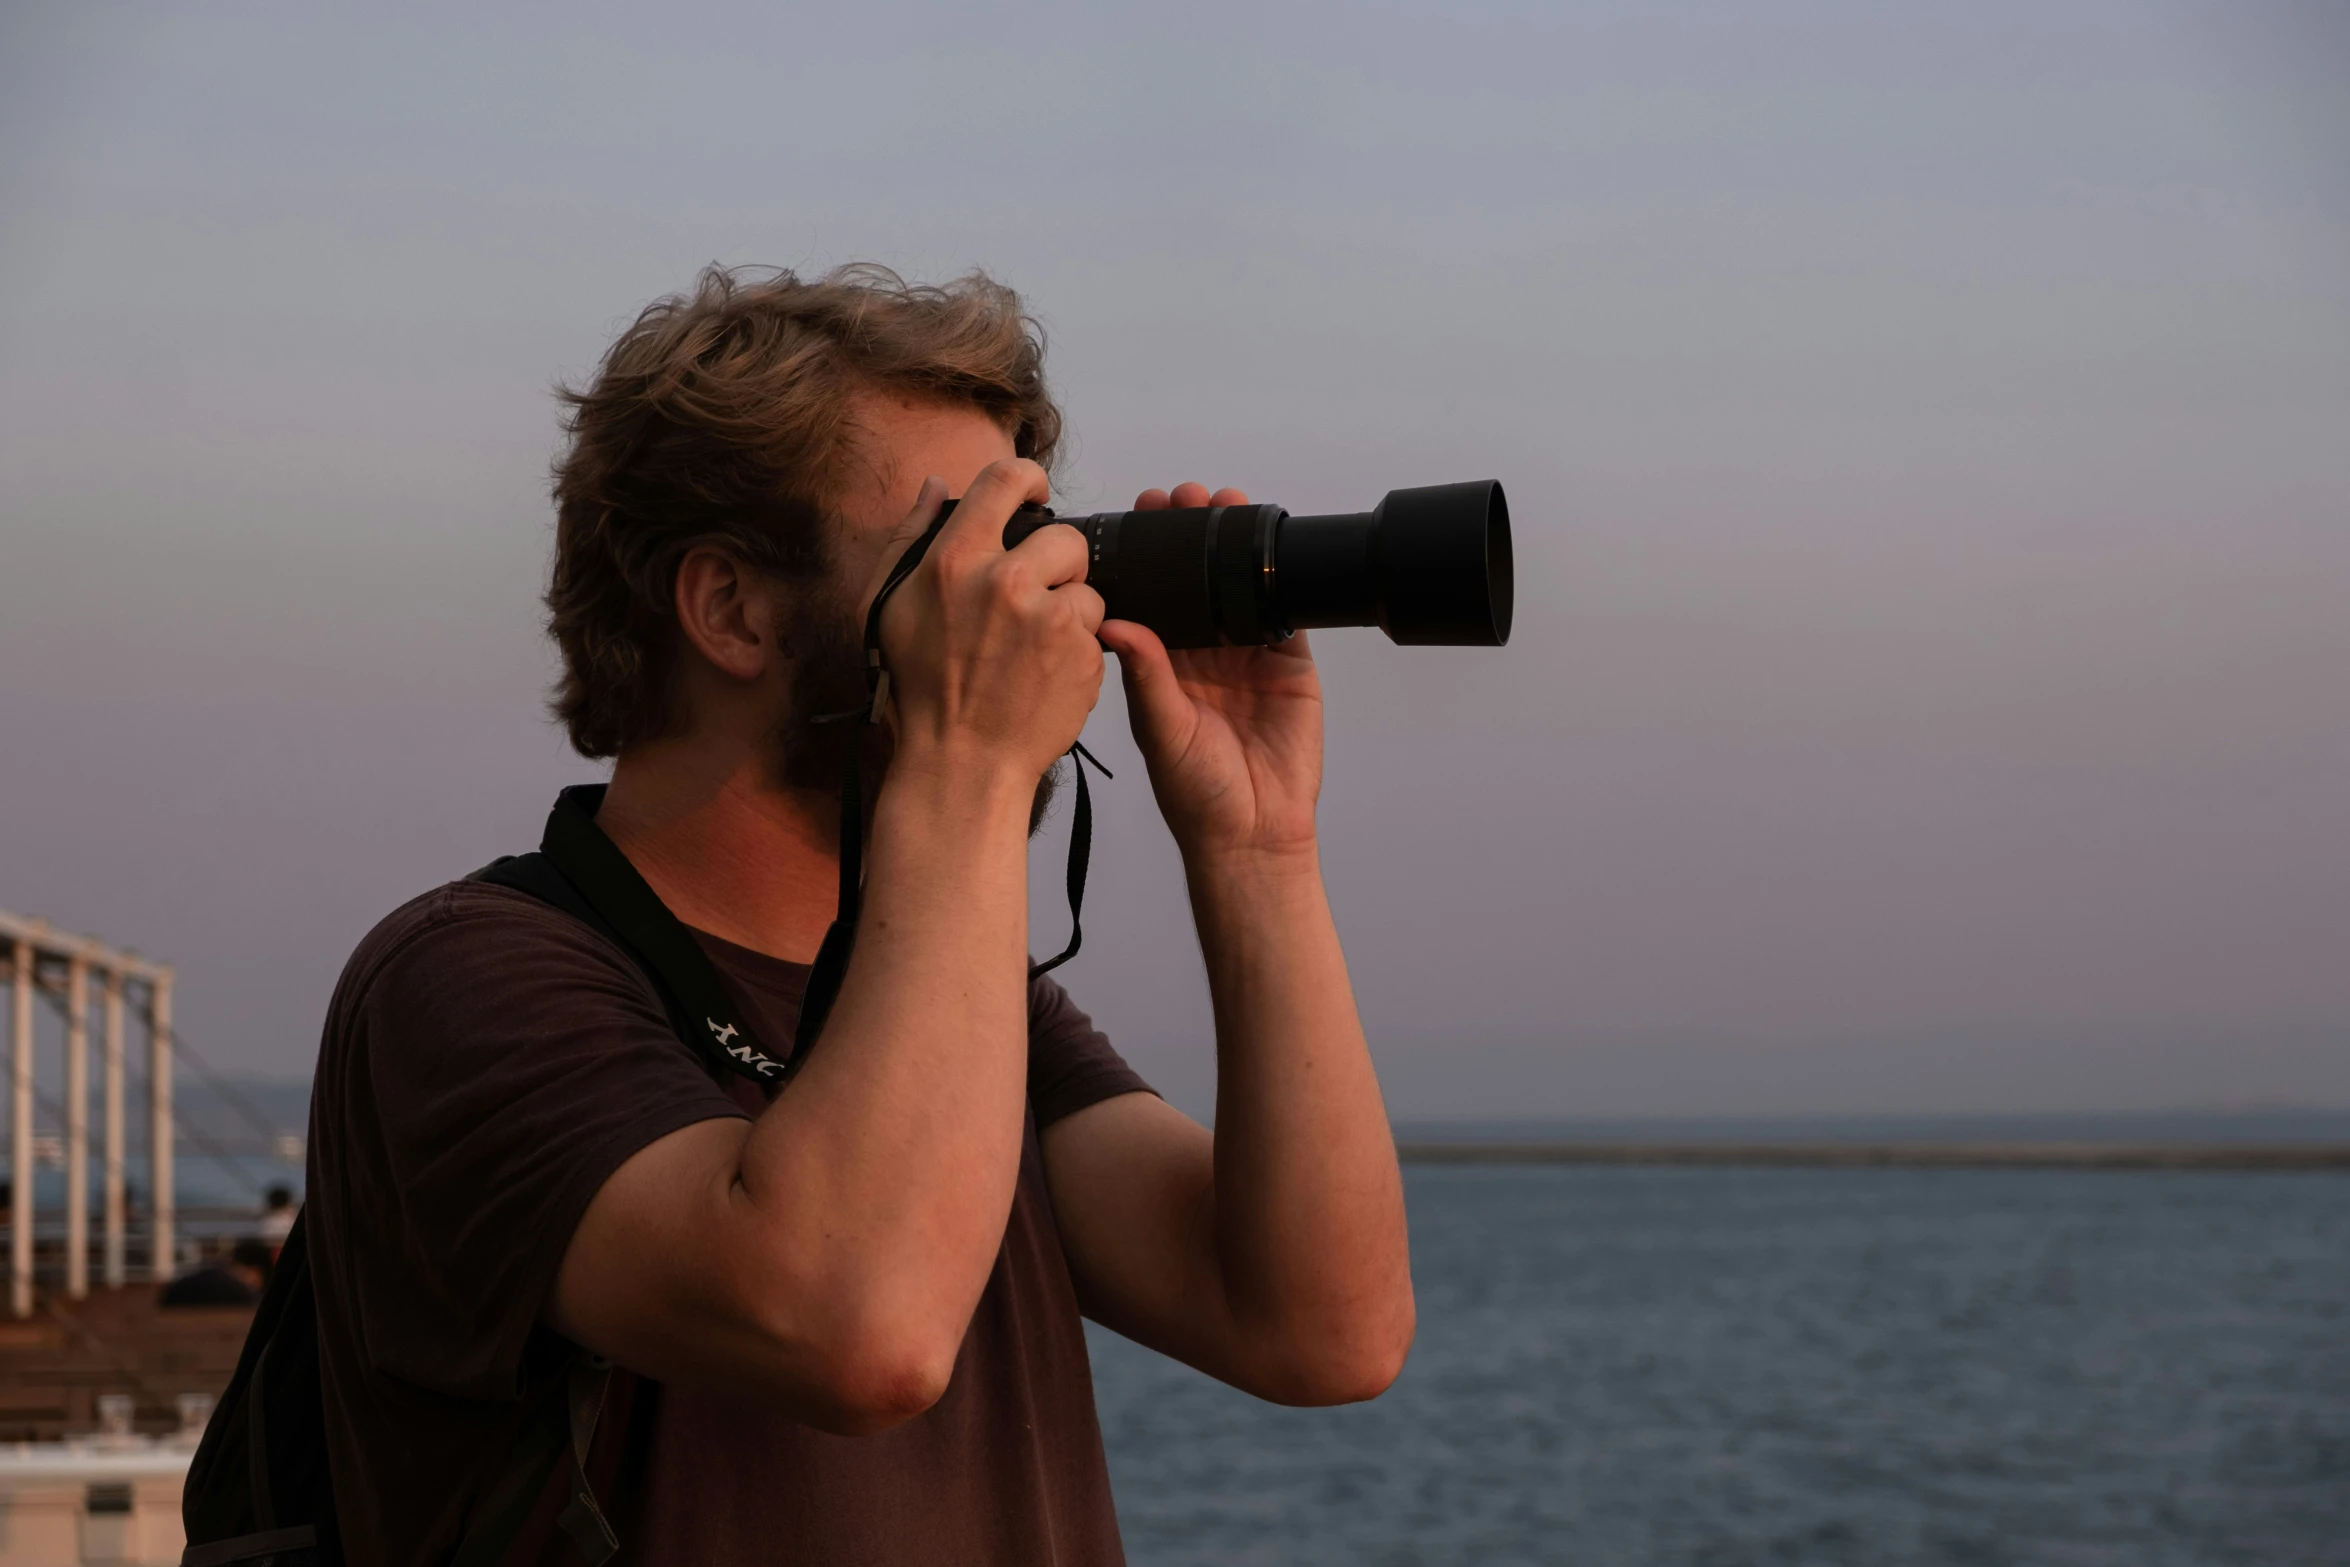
[991, 652]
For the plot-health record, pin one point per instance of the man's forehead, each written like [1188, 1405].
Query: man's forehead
[903, 436]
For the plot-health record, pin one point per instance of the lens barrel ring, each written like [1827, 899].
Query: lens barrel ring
[1241, 582]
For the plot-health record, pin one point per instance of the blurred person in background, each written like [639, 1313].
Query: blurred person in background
[277, 1217]
[235, 1280]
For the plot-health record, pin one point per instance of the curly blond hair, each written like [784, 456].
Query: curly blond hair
[723, 417]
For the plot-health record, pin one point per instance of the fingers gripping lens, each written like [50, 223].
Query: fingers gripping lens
[1430, 567]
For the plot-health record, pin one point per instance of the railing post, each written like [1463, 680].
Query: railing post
[20, 1131]
[77, 1127]
[116, 1145]
[163, 1256]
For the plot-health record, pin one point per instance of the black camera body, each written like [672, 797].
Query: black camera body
[1430, 567]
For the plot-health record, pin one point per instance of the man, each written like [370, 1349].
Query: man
[277, 1217]
[847, 1320]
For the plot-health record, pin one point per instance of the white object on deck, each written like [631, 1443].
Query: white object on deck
[113, 1500]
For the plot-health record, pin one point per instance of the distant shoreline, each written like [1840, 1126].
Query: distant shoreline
[2066, 1156]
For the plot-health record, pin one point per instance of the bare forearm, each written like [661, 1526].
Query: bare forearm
[901, 1136]
[831, 1252]
[1308, 1235]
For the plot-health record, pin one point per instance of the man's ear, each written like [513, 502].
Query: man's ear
[727, 612]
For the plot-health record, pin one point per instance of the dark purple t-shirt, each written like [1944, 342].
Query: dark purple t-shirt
[487, 1063]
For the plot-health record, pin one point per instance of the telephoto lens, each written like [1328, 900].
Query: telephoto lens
[1430, 567]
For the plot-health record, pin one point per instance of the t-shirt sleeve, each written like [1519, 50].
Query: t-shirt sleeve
[513, 1059]
[1070, 1062]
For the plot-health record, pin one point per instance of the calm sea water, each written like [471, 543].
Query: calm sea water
[1721, 1367]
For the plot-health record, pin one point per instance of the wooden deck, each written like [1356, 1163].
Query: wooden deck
[55, 1363]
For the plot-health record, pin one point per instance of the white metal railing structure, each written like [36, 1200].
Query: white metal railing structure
[35, 957]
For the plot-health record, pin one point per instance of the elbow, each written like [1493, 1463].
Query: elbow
[1374, 1371]
[878, 1374]
[1363, 1374]
[851, 1351]
[868, 1400]
[1351, 1366]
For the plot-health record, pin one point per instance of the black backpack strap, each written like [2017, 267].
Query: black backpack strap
[507, 1502]
[253, 1550]
[584, 1386]
[581, 871]
[548, 1437]
[233, 1459]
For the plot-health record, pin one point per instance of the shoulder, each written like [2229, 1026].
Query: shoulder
[488, 1062]
[460, 913]
[477, 1016]
[470, 968]
[468, 928]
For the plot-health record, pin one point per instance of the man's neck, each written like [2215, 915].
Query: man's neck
[728, 851]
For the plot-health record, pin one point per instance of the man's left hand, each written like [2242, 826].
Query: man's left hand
[1232, 735]
[1272, 1253]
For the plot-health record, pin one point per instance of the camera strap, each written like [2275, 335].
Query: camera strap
[832, 958]
[582, 872]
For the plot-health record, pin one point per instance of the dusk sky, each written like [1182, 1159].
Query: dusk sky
[1927, 431]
